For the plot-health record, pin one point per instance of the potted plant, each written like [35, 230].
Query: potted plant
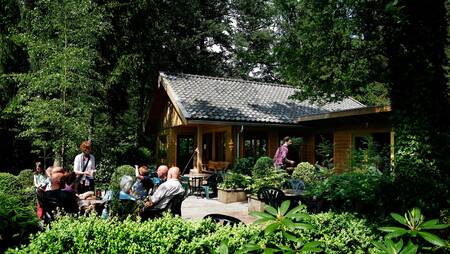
[232, 188]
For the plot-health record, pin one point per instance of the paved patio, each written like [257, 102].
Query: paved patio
[195, 208]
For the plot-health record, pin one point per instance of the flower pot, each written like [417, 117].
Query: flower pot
[231, 195]
[254, 204]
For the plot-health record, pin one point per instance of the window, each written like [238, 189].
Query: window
[371, 151]
[221, 144]
[324, 149]
[255, 145]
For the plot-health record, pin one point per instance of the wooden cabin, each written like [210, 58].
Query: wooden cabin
[206, 123]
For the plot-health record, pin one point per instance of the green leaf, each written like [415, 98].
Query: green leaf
[299, 216]
[252, 247]
[271, 228]
[432, 238]
[294, 211]
[303, 226]
[261, 215]
[271, 210]
[391, 229]
[395, 234]
[399, 218]
[269, 250]
[284, 207]
[410, 248]
[433, 224]
[262, 220]
[398, 246]
[380, 246]
[290, 237]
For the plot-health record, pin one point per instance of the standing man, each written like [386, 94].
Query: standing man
[84, 168]
[280, 159]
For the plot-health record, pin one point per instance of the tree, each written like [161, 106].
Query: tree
[60, 95]
[332, 49]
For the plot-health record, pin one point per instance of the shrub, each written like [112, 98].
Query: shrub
[234, 180]
[165, 235]
[9, 184]
[262, 166]
[341, 233]
[244, 166]
[17, 218]
[306, 172]
[26, 177]
[272, 178]
[105, 169]
[118, 173]
[366, 193]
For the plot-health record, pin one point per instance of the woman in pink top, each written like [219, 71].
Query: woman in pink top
[280, 159]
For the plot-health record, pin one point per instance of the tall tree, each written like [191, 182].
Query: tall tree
[341, 47]
[60, 95]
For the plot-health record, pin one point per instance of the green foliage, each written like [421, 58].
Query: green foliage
[234, 180]
[325, 150]
[262, 167]
[26, 177]
[371, 158]
[60, 96]
[273, 178]
[414, 228]
[366, 193]
[166, 235]
[118, 173]
[244, 166]
[10, 184]
[18, 219]
[283, 222]
[306, 172]
[341, 233]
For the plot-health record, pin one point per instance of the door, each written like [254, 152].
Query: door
[185, 150]
[207, 148]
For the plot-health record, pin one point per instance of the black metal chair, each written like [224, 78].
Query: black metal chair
[197, 185]
[223, 219]
[271, 196]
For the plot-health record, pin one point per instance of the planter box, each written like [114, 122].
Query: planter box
[231, 195]
[254, 204]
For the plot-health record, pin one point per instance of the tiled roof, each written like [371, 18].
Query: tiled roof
[224, 99]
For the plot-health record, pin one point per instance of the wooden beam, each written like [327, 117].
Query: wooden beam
[345, 113]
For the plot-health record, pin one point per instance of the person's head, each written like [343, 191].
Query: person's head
[162, 172]
[143, 170]
[126, 182]
[57, 178]
[39, 168]
[174, 173]
[287, 140]
[86, 147]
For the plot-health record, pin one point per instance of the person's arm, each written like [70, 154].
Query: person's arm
[136, 171]
[36, 184]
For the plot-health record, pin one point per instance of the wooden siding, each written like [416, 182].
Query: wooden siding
[170, 117]
[273, 143]
[308, 152]
[342, 150]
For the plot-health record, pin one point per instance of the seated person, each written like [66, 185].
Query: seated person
[162, 172]
[143, 183]
[70, 179]
[55, 197]
[166, 191]
[125, 188]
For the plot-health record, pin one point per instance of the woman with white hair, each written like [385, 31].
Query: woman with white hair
[126, 182]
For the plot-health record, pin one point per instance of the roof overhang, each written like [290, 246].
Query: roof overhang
[239, 123]
[345, 113]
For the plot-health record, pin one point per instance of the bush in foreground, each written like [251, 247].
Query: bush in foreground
[340, 233]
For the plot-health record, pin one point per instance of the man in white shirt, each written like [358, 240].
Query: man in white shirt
[163, 194]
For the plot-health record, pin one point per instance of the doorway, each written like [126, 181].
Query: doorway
[185, 149]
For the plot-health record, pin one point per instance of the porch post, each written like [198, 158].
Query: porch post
[199, 163]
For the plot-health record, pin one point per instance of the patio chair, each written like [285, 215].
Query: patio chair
[174, 207]
[271, 196]
[197, 185]
[223, 219]
[298, 186]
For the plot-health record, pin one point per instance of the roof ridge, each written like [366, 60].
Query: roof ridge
[165, 74]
